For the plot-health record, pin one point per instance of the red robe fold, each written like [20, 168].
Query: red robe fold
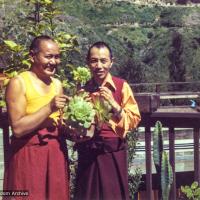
[37, 164]
[102, 161]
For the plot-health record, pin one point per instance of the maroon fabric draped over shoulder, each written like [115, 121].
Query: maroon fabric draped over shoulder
[37, 164]
[102, 162]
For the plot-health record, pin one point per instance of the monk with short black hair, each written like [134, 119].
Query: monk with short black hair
[102, 161]
[37, 162]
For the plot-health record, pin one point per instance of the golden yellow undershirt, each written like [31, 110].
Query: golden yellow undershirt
[35, 100]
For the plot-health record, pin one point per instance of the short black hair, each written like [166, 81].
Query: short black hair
[99, 45]
[35, 44]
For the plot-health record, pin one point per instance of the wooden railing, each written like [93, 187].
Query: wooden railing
[171, 117]
[158, 87]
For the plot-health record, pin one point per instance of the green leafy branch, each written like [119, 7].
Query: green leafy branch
[103, 110]
[81, 75]
[191, 192]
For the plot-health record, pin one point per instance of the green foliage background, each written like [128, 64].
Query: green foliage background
[18, 29]
[151, 43]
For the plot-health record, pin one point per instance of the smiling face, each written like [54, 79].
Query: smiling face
[46, 60]
[99, 62]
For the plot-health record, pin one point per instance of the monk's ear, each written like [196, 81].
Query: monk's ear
[112, 62]
[32, 55]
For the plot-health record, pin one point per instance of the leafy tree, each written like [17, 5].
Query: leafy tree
[176, 68]
[148, 28]
[33, 18]
[132, 70]
[172, 17]
[43, 19]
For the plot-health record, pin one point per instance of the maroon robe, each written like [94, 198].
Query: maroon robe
[102, 161]
[37, 164]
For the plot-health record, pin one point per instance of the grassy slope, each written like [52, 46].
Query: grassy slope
[141, 37]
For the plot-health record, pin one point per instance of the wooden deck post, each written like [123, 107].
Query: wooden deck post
[172, 161]
[148, 163]
[196, 155]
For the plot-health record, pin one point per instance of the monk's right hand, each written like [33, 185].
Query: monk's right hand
[58, 102]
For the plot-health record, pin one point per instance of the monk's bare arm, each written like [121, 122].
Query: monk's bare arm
[21, 123]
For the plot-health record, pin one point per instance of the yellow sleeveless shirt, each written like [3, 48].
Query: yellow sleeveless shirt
[35, 100]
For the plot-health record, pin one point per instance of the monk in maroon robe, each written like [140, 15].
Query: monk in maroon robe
[102, 161]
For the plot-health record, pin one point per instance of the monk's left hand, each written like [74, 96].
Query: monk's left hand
[107, 95]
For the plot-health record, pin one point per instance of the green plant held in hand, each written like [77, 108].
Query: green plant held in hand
[103, 110]
[81, 75]
[79, 113]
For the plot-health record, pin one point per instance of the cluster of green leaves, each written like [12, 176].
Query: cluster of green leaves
[134, 181]
[103, 110]
[15, 57]
[76, 79]
[76, 112]
[79, 113]
[191, 192]
[41, 17]
[37, 18]
[81, 75]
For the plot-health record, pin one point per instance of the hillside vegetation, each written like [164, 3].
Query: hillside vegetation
[151, 43]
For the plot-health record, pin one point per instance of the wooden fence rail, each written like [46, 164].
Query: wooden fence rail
[171, 117]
